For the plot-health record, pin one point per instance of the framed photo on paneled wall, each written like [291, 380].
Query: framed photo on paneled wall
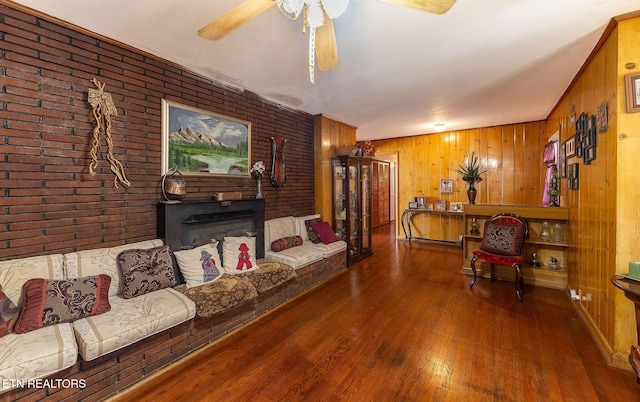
[632, 89]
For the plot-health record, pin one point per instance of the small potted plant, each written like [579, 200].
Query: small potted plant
[471, 172]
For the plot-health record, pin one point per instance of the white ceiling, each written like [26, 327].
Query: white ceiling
[484, 63]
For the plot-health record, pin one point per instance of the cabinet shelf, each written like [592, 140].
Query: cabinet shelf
[527, 241]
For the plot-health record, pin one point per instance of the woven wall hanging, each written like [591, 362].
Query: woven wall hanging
[103, 109]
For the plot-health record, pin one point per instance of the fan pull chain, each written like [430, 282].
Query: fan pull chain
[312, 53]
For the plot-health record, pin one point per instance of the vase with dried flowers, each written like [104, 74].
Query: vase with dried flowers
[257, 171]
[471, 172]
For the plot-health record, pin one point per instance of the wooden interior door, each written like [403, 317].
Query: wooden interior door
[381, 194]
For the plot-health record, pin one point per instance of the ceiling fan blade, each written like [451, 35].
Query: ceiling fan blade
[234, 18]
[326, 46]
[430, 6]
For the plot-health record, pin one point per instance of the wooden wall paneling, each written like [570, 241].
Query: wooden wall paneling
[435, 154]
[534, 176]
[328, 135]
[495, 157]
[602, 236]
[516, 132]
[424, 160]
[608, 156]
[627, 191]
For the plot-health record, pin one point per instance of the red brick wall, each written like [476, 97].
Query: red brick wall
[48, 200]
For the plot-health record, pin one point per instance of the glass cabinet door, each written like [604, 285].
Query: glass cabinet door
[354, 209]
[366, 205]
[339, 198]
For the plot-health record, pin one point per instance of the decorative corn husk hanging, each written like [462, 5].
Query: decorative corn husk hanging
[103, 109]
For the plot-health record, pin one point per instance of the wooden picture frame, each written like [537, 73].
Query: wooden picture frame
[455, 207]
[446, 186]
[632, 92]
[200, 142]
[441, 205]
[573, 176]
[562, 159]
[570, 147]
[603, 117]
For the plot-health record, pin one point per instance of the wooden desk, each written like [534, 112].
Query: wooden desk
[631, 290]
[405, 220]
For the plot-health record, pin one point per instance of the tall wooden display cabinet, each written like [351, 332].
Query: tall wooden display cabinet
[352, 204]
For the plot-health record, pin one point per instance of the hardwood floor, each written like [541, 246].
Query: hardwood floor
[402, 326]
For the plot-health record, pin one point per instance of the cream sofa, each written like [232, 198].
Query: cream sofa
[47, 350]
[302, 255]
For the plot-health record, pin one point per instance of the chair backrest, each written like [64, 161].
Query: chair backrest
[504, 234]
[511, 218]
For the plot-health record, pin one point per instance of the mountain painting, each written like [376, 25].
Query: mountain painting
[199, 141]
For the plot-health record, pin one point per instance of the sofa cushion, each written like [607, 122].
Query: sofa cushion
[146, 270]
[131, 320]
[199, 265]
[215, 297]
[297, 257]
[14, 273]
[239, 254]
[270, 274]
[301, 227]
[8, 314]
[278, 228]
[312, 233]
[102, 261]
[327, 250]
[325, 232]
[49, 302]
[285, 243]
[38, 353]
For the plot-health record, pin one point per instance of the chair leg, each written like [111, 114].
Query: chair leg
[473, 268]
[519, 281]
[493, 273]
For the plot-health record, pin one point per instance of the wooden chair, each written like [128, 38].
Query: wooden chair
[502, 241]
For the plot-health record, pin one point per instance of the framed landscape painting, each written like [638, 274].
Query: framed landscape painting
[197, 141]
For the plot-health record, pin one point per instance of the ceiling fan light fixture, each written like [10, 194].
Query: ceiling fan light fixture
[334, 8]
[291, 8]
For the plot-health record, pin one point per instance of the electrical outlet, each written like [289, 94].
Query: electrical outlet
[574, 295]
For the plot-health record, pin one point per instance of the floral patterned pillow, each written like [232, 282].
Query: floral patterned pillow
[313, 236]
[8, 314]
[51, 301]
[504, 238]
[145, 271]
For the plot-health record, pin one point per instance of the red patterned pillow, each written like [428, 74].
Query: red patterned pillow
[147, 270]
[313, 236]
[285, 243]
[504, 238]
[48, 301]
[325, 232]
[8, 314]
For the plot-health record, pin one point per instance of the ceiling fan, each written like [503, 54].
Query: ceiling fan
[318, 17]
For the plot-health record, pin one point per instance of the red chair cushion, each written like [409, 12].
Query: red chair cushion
[504, 238]
[497, 258]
